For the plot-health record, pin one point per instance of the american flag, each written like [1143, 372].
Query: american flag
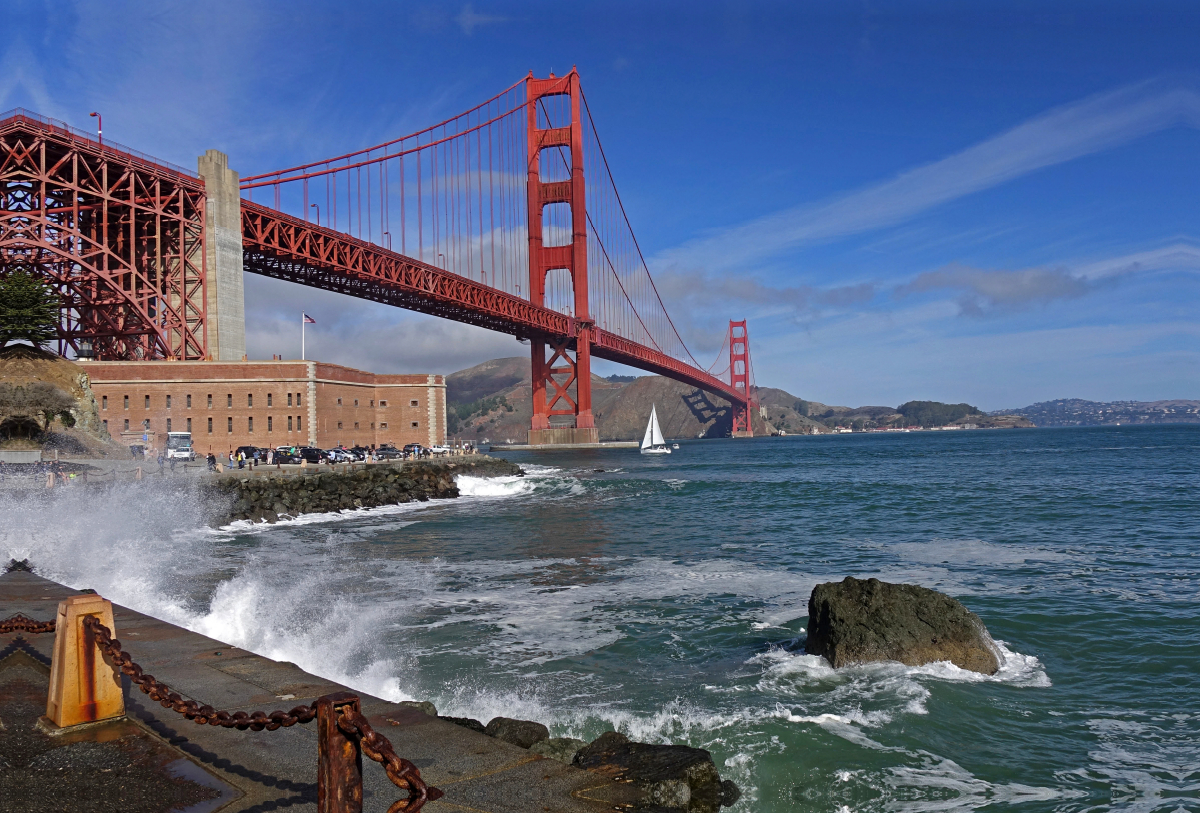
[308, 320]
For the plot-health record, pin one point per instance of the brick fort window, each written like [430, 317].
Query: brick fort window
[104, 402]
[339, 402]
[105, 425]
[189, 425]
[210, 400]
[356, 402]
[356, 424]
[230, 430]
[270, 422]
[126, 424]
[168, 402]
[297, 399]
[127, 402]
[229, 400]
[289, 399]
[250, 400]
[210, 426]
[249, 424]
[383, 403]
[189, 401]
[268, 399]
[383, 425]
[147, 402]
[414, 424]
[168, 424]
[297, 423]
[289, 423]
[413, 402]
[339, 424]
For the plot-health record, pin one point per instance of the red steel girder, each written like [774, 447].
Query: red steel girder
[118, 236]
[281, 246]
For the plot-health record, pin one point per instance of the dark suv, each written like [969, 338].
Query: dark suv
[388, 453]
[311, 454]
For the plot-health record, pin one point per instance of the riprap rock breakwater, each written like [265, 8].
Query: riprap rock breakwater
[264, 494]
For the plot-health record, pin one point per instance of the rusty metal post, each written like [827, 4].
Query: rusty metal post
[339, 758]
[83, 687]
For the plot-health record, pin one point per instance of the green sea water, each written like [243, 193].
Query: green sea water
[667, 597]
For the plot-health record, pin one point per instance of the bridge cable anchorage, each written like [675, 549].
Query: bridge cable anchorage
[515, 223]
[403, 774]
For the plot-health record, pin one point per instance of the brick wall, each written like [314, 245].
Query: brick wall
[268, 403]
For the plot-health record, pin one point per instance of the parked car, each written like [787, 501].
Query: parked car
[311, 454]
[388, 453]
[360, 452]
[338, 455]
[287, 454]
[439, 450]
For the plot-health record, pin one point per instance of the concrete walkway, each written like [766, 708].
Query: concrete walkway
[157, 760]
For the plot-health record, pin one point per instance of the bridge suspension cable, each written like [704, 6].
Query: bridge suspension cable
[454, 196]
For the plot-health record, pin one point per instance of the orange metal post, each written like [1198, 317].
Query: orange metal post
[83, 687]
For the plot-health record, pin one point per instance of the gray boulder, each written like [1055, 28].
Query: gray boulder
[674, 777]
[523, 733]
[420, 705]
[562, 749]
[466, 722]
[864, 621]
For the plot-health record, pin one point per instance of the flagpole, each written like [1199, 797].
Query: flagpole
[302, 336]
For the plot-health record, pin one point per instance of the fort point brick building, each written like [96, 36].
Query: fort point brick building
[226, 404]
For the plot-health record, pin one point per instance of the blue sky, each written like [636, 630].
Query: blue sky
[985, 202]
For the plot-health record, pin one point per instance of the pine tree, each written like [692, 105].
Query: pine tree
[28, 310]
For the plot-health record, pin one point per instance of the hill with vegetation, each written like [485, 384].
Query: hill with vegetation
[492, 402]
[1078, 412]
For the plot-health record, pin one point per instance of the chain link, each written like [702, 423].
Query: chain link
[22, 623]
[403, 773]
[197, 713]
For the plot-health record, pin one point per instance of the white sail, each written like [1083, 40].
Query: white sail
[657, 438]
[648, 441]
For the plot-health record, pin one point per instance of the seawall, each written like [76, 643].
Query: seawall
[268, 494]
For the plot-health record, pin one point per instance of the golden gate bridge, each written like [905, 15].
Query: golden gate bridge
[505, 216]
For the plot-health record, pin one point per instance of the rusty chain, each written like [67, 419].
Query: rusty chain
[403, 773]
[197, 713]
[22, 623]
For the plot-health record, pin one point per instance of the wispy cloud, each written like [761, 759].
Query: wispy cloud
[982, 292]
[1092, 125]
[468, 19]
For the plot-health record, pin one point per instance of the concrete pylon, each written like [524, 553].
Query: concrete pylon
[223, 258]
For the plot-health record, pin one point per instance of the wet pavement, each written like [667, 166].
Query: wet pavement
[156, 760]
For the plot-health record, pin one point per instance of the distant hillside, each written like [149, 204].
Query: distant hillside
[492, 401]
[1077, 412]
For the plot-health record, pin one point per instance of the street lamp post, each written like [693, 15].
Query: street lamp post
[99, 127]
[318, 208]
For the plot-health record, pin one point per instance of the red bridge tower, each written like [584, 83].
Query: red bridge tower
[553, 377]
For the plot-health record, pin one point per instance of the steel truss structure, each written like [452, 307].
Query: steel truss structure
[117, 235]
[288, 248]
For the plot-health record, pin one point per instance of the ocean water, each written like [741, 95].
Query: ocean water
[667, 597]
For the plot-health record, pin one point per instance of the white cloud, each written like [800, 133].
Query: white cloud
[468, 19]
[1092, 125]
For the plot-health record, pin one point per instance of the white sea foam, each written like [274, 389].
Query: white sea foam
[470, 486]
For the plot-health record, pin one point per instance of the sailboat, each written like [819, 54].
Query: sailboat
[654, 443]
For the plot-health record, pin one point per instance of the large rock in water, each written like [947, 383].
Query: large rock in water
[671, 777]
[856, 621]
